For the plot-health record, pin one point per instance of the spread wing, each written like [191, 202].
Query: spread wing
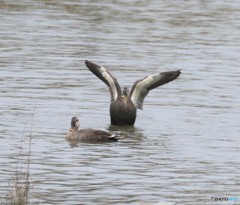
[106, 77]
[141, 88]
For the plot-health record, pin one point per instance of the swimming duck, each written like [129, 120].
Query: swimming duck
[88, 135]
[124, 104]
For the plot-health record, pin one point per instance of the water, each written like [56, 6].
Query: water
[185, 145]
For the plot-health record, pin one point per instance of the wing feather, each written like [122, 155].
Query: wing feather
[106, 77]
[141, 88]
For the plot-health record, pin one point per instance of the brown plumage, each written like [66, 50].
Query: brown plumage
[88, 135]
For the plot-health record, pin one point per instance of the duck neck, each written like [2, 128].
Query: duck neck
[74, 129]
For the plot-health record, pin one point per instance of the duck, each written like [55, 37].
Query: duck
[124, 103]
[88, 135]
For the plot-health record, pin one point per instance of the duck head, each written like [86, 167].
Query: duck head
[74, 124]
[125, 92]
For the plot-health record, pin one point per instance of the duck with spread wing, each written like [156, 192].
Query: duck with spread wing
[124, 104]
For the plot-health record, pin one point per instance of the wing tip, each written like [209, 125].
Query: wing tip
[91, 65]
[87, 62]
[178, 72]
[173, 74]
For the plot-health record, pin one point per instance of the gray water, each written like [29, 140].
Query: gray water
[185, 145]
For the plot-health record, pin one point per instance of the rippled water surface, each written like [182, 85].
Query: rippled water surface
[185, 145]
